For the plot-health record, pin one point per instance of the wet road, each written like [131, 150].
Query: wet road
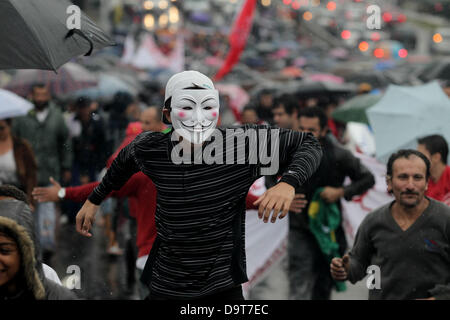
[276, 287]
[102, 276]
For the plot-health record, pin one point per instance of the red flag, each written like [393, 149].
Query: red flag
[238, 37]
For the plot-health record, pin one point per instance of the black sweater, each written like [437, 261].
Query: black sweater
[414, 263]
[200, 216]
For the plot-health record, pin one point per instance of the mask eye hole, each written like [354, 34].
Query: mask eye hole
[187, 108]
[207, 108]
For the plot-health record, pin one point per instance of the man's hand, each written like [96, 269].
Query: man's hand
[299, 203]
[86, 218]
[330, 194]
[47, 194]
[430, 298]
[339, 268]
[278, 198]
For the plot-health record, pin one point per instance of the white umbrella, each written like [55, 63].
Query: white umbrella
[11, 105]
[406, 113]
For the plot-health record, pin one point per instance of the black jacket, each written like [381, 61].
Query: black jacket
[337, 163]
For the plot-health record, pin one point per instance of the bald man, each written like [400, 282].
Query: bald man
[151, 119]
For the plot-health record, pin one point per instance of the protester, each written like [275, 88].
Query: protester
[139, 190]
[285, 112]
[263, 284]
[404, 241]
[151, 119]
[110, 208]
[90, 146]
[17, 161]
[141, 193]
[45, 129]
[308, 265]
[435, 148]
[11, 192]
[208, 256]
[264, 104]
[22, 274]
[122, 111]
[328, 105]
[249, 115]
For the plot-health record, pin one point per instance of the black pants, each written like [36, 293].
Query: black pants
[229, 294]
[309, 271]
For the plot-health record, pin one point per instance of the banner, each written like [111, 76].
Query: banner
[265, 243]
[353, 212]
[238, 38]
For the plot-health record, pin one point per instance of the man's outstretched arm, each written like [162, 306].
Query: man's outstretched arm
[81, 193]
[299, 157]
[122, 168]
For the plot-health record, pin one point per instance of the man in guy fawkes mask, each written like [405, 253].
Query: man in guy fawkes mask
[199, 251]
[309, 278]
[192, 106]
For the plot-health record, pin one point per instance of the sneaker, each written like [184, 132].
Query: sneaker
[63, 219]
[114, 250]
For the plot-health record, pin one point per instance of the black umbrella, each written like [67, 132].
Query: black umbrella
[373, 77]
[319, 88]
[437, 70]
[35, 34]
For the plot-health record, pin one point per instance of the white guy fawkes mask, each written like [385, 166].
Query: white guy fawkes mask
[194, 113]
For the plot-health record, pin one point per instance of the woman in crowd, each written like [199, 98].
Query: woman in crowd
[17, 162]
[22, 276]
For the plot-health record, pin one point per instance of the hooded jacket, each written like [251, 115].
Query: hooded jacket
[16, 216]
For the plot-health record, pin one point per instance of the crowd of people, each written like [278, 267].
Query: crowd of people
[189, 219]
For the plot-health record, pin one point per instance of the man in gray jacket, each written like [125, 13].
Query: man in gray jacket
[45, 129]
[405, 243]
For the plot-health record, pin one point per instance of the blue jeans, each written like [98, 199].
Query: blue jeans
[46, 222]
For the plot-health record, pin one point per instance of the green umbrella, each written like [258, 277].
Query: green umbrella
[355, 109]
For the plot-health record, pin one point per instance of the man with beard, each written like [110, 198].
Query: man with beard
[308, 266]
[45, 129]
[199, 250]
[406, 242]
